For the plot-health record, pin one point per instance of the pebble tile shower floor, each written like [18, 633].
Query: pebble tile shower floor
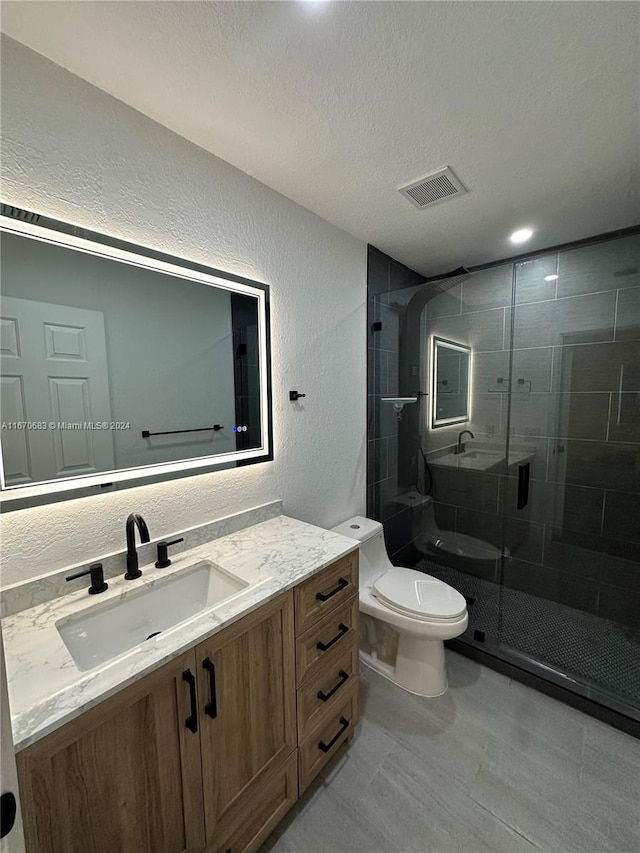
[596, 650]
[490, 767]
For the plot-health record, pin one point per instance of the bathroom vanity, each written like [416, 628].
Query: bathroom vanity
[202, 737]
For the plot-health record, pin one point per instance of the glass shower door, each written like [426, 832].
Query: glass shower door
[463, 527]
[570, 494]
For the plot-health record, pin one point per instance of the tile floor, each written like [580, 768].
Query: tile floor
[490, 766]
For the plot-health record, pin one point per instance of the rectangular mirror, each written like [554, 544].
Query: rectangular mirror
[450, 372]
[121, 365]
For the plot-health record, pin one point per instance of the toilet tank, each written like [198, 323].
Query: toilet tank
[373, 553]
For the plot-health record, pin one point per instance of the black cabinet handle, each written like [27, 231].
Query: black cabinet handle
[324, 646]
[211, 708]
[192, 720]
[523, 485]
[7, 813]
[344, 725]
[343, 678]
[341, 585]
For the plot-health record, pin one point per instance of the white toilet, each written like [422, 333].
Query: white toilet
[405, 615]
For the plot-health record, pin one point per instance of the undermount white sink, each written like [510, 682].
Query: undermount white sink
[106, 630]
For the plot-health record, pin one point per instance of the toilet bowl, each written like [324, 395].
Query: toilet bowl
[405, 615]
[458, 550]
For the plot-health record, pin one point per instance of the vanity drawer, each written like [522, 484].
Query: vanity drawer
[325, 591]
[320, 695]
[327, 737]
[327, 640]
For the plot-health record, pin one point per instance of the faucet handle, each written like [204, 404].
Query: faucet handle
[163, 555]
[97, 578]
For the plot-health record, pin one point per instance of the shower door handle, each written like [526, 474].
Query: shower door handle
[523, 485]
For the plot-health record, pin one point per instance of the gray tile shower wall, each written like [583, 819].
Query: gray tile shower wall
[576, 340]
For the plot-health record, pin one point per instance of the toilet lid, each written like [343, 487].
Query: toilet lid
[423, 595]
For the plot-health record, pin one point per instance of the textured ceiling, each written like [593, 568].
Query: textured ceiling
[534, 105]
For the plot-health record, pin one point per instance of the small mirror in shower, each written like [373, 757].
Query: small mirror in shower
[450, 370]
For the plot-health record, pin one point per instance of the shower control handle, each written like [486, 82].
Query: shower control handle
[523, 485]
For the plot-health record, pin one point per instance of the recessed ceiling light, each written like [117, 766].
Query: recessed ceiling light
[521, 235]
[550, 277]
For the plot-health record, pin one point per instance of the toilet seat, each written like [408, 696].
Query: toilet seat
[462, 545]
[417, 594]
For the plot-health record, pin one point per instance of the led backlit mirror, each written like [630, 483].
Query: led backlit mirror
[121, 365]
[450, 371]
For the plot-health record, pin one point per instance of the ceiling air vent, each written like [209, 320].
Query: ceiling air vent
[433, 188]
[19, 213]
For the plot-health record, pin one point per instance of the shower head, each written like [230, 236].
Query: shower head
[399, 403]
[442, 283]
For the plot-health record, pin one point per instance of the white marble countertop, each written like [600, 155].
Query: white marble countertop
[47, 689]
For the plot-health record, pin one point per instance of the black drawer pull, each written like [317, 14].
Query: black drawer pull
[341, 585]
[324, 646]
[192, 720]
[343, 678]
[344, 725]
[211, 708]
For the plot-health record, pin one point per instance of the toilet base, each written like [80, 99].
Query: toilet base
[420, 666]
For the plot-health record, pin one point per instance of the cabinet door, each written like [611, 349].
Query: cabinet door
[246, 681]
[122, 777]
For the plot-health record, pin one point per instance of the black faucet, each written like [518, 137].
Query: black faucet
[134, 520]
[459, 448]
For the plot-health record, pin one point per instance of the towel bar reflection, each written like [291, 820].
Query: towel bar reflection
[524, 386]
[215, 428]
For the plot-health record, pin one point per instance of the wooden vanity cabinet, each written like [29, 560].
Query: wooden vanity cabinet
[200, 755]
[208, 753]
[122, 777]
[246, 683]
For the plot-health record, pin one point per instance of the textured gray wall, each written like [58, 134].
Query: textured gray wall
[72, 152]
